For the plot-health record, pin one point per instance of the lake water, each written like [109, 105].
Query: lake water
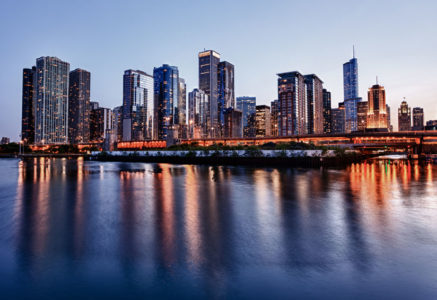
[72, 228]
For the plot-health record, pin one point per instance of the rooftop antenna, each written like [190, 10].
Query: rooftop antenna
[377, 80]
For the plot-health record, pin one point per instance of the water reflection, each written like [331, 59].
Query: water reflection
[216, 228]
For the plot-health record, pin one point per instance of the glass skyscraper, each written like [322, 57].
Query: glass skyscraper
[79, 106]
[51, 101]
[351, 97]
[137, 106]
[166, 88]
[247, 105]
[198, 111]
[27, 115]
[226, 96]
[208, 66]
[326, 111]
[314, 100]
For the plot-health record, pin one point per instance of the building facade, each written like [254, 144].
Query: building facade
[351, 97]
[27, 113]
[404, 117]
[51, 101]
[101, 124]
[79, 106]
[233, 122]
[314, 100]
[247, 106]
[377, 110]
[226, 94]
[274, 111]
[338, 119]
[198, 111]
[326, 111]
[362, 109]
[137, 106]
[292, 104]
[418, 118]
[117, 128]
[263, 124]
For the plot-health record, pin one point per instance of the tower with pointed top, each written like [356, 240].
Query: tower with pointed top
[351, 97]
[377, 109]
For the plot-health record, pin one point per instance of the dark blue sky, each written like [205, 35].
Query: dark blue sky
[396, 40]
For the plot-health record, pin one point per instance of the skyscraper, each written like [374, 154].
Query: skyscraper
[389, 126]
[418, 118]
[247, 106]
[226, 96]
[338, 119]
[182, 104]
[351, 97]
[362, 109]
[51, 101]
[117, 113]
[137, 106]
[292, 104]
[404, 117]
[101, 124]
[233, 121]
[274, 110]
[79, 106]
[27, 115]
[314, 100]
[166, 101]
[326, 111]
[377, 110]
[198, 110]
[263, 125]
[208, 66]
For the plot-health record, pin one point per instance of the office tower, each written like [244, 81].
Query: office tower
[377, 113]
[117, 114]
[351, 117]
[338, 119]
[389, 125]
[27, 114]
[314, 100]
[404, 117]
[198, 111]
[181, 109]
[362, 109]
[263, 124]
[208, 66]
[166, 101]
[418, 118]
[292, 104]
[351, 97]
[274, 110]
[79, 107]
[225, 85]
[101, 124]
[137, 106]
[233, 122]
[326, 111]
[51, 101]
[431, 125]
[247, 106]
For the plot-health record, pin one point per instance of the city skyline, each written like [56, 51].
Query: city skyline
[389, 61]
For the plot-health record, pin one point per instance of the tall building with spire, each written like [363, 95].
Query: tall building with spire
[377, 109]
[351, 95]
[404, 117]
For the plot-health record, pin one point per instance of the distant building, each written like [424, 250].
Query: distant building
[137, 106]
[338, 119]
[225, 85]
[431, 125]
[166, 101]
[5, 140]
[263, 124]
[79, 106]
[389, 125]
[274, 110]
[362, 109]
[377, 110]
[292, 104]
[101, 124]
[418, 119]
[198, 111]
[51, 101]
[208, 69]
[404, 117]
[314, 100]
[117, 127]
[27, 114]
[247, 105]
[326, 111]
[181, 110]
[233, 122]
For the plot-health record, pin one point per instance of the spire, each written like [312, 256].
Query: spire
[377, 80]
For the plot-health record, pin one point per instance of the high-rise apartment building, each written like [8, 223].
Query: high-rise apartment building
[79, 106]
[27, 114]
[101, 124]
[326, 111]
[418, 118]
[247, 106]
[51, 100]
[377, 110]
[404, 117]
[166, 101]
[314, 100]
[198, 111]
[274, 110]
[208, 70]
[117, 127]
[225, 84]
[137, 106]
[292, 104]
[362, 109]
[338, 119]
[233, 122]
[263, 124]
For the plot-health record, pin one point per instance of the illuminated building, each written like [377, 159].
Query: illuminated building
[274, 110]
[27, 114]
[117, 113]
[418, 118]
[137, 106]
[79, 107]
[362, 109]
[198, 111]
[351, 97]
[247, 106]
[314, 100]
[51, 101]
[232, 123]
[377, 110]
[166, 101]
[404, 117]
[338, 119]
[389, 126]
[101, 124]
[263, 124]
[292, 104]
[225, 85]
[326, 111]
[208, 69]
[181, 109]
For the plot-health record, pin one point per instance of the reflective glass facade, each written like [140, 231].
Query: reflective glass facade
[226, 95]
[350, 79]
[198, 110]
[351, 109]
[27, 115]
[314, 101]
[247, 105]
[274, 111]
[263, 124]
[79, 106]
[338, 120]
[326, 111]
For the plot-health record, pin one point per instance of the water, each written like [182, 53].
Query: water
[70, 228]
